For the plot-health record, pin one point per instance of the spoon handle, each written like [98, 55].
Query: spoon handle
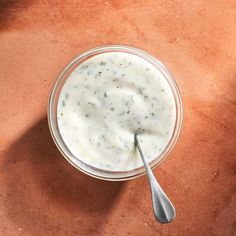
[164, 210]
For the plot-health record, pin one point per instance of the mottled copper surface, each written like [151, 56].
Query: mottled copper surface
[41, 194]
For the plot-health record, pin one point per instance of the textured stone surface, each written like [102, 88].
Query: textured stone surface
[41, 194]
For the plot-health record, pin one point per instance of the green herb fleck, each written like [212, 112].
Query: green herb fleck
[112, 109]
[102, 63]
[84, 67]
[91, 103]
[87, 115]
[140, 91]
[105, 94]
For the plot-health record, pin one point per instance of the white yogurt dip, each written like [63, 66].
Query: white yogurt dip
[105, 101]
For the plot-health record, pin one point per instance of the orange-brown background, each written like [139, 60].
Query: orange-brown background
[41, 194]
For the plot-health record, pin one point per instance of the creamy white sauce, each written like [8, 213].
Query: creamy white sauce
[105, 101]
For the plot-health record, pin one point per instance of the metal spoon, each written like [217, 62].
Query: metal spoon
[164, 210]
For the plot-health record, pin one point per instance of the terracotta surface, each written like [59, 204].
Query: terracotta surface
[41, 194]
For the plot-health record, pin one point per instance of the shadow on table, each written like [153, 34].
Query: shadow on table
[46, 194]
[9, 10]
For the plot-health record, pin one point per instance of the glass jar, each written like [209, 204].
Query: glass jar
[53, 123]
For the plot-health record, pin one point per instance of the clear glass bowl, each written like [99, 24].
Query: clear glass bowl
[53, 123]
